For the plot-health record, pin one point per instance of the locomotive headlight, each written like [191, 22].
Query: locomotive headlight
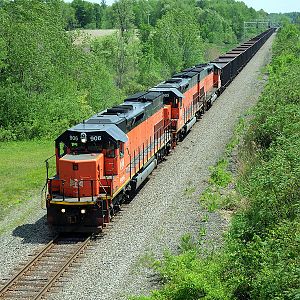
[63, 210]
[83, 211]
[83, 137]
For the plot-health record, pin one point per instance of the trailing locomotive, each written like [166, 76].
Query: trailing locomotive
[102, 162]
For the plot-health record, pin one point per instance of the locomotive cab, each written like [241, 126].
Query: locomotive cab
[217, 76]
[86, 163]
[173, 98]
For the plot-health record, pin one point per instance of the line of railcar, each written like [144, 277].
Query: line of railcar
[101, 162]
[234, 61]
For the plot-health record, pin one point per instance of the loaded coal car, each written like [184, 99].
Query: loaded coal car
[232, 62]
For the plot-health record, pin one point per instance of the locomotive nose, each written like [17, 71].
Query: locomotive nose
[80, 174]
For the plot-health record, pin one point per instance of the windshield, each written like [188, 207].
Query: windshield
[92, 147]
[81, 148]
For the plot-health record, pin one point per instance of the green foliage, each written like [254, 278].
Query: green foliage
[264, 238]
[266, 267]
[68, 15]
[215, 28]
[47, 83]
[239, 131]
[174, 45]
[123, 15]
[120, 56]
[84, 14]
[216, 196]
[220, 175]
[234, 12]
[213, 199]
[151, 69]
[3, 43]
[188, 276]
[285, 18]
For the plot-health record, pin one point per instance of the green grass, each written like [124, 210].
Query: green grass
[22, 171]
[220, 176]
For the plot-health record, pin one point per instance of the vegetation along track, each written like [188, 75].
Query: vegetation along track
[36, 278]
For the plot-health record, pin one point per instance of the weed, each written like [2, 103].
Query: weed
[189, 191]
[186, 243]
[210, 199]
[205, 218]
[202, 232]
[219, 174]
[147, 260]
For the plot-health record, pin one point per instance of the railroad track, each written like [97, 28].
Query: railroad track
[37, 277]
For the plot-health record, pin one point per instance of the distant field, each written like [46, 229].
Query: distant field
[93, 33]
[98, 32]
[22, 171]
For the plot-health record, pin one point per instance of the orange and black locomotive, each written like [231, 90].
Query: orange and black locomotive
[101, 162]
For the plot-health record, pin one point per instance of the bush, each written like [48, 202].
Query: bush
[263, 243]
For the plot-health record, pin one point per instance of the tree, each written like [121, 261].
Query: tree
[84, 12]
[98, 15]
[107, 21]
[68, 13]
[233, 12]
[3, 45]
[47, 83]
[214, 28]
[176, 39]
[121, 57]
[123, 14]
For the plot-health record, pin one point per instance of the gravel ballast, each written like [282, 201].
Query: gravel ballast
[164, 209]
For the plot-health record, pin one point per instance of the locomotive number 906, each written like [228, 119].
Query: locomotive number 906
[95, 138]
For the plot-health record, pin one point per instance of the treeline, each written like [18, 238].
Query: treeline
[231, 14]
[52, 78]
[46, 82]
[261, 255]
[216, 17]
[282, 18]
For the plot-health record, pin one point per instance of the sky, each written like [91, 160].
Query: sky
[275, 6]
[269, 6]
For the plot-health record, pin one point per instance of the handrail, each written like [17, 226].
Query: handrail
[45, 187]
[78, 181]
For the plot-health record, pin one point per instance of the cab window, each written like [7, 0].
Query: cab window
[175, 103]
[110, 150]
[121, 149]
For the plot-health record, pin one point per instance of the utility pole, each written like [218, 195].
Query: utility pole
[257, 24]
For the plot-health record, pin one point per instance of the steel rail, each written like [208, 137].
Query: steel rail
[48, 285]
[27, 267]
[35, 261]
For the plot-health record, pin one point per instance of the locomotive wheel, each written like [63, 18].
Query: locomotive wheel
[181, 136]
[198, 115]
[168, 149]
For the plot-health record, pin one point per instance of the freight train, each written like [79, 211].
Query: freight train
[102, 162]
